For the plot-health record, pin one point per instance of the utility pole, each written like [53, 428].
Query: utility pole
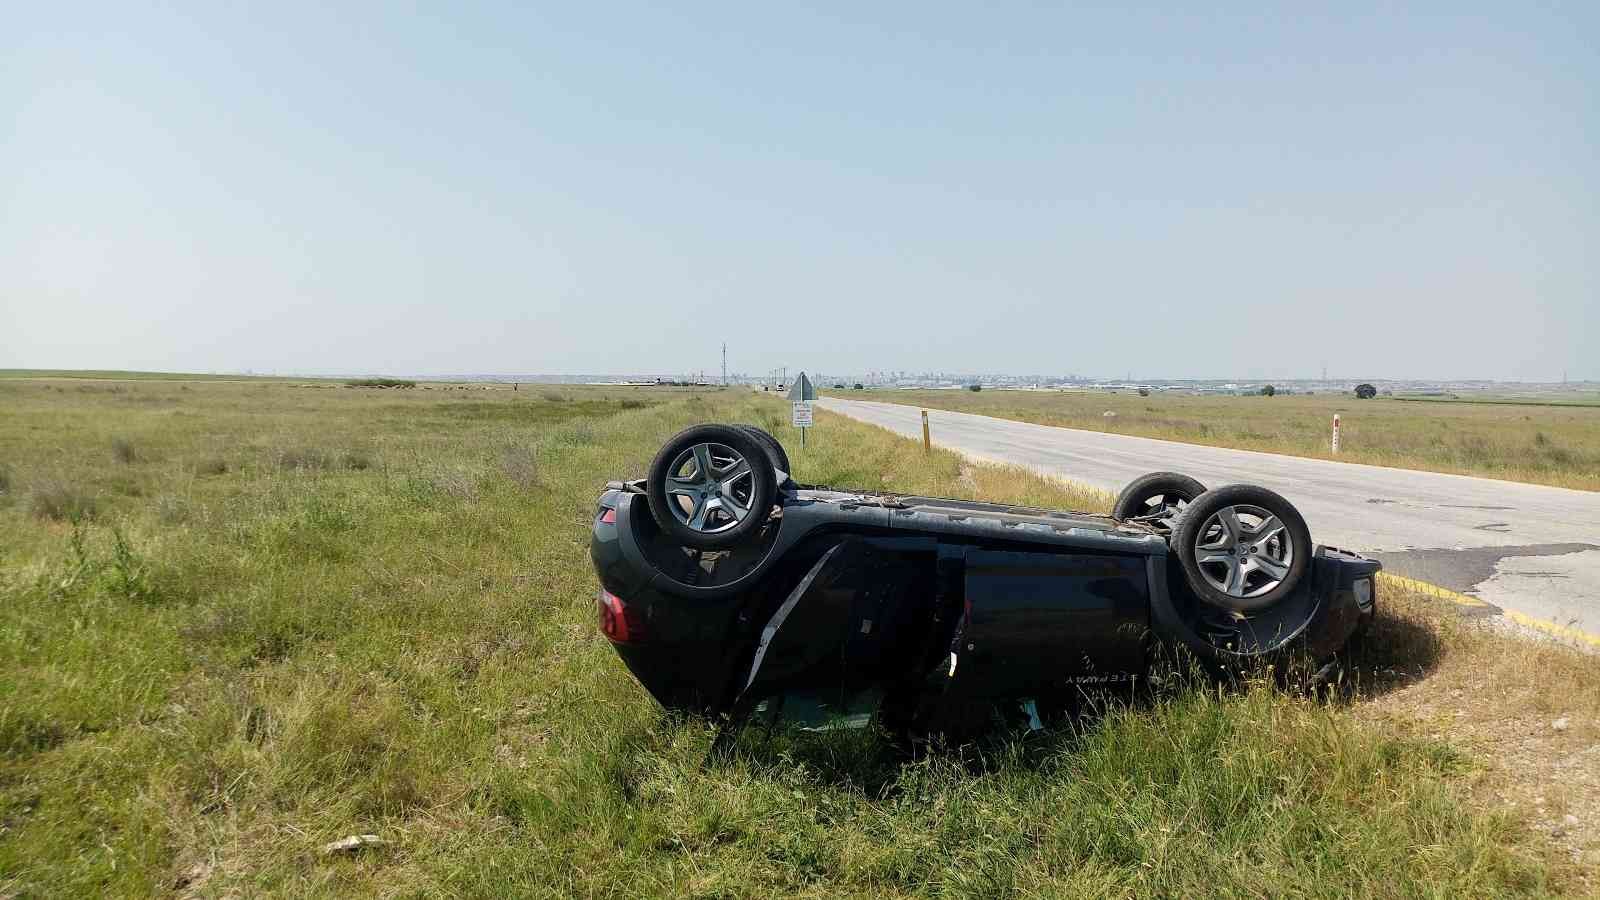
[724, 363]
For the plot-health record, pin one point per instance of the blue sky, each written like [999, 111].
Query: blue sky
[1237, 193]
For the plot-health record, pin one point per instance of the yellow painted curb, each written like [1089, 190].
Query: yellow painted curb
[1554, 630]
[1563, 632]
[1433, 590]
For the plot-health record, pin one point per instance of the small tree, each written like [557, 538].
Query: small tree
[1144, 392]
[859, 386]
[1365, 391]
[1268, 390]
[974, 388]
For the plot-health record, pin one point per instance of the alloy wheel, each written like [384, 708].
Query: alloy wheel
[1243, 551]
[709, 487]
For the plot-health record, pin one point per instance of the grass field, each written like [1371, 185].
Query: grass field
[241, 620]
[119, 375]
[1539, 443]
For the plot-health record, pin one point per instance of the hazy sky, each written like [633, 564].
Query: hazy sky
[619, 188]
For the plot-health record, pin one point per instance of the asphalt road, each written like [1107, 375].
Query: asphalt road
[1519, 547]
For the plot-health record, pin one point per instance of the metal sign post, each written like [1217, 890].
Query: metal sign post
[802, 395]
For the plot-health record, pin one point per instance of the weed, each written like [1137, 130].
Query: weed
[123, 451]
[128, 575]
[81, 566]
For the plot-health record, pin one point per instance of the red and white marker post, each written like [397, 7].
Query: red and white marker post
[1336, 432]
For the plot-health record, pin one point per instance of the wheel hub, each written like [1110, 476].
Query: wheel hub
[1243, 551]
[710, 487]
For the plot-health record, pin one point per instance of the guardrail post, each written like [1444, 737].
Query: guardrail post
[927, 443]
[1336, 432]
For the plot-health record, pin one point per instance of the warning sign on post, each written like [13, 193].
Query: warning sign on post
[801, 396]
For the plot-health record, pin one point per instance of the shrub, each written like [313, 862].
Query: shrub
[1144, 392]
[574, 435]
[974, 388]
[317, 458]
[302, 458]
[521, 465]
[172, 509]
[214, 465]
[455, 483]
[1268, 390]
[356, 460]
[1365, 392]
[859, 386]
[380, 383]
[60, 502]
[123, 451]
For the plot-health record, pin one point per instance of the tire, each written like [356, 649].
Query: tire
[1170, 488]
[1253, 563]
[717, 507]
[775, 451]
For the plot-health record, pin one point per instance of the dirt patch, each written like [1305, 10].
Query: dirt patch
[1528, 710]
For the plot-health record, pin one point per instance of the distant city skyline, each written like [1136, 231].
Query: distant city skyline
[873, 377]
[1230, 191]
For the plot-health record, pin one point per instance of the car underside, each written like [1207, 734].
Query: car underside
[838, 605]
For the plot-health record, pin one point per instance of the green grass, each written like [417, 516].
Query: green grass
[239, 658]
[1555, 444]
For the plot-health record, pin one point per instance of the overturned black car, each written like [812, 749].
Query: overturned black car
[726, 587]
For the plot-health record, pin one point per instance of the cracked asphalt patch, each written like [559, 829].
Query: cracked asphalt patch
[1464, 570]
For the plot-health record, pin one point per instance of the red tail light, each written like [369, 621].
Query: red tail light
[615, 623]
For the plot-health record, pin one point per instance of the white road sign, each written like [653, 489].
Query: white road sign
[802, 414]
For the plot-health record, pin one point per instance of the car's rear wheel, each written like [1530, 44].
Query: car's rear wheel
[1243, 547]
[1157, 498]
[775, 451]
[711, 486]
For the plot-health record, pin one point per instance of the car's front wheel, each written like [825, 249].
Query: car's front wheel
[1243, 548]
[711, 486]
